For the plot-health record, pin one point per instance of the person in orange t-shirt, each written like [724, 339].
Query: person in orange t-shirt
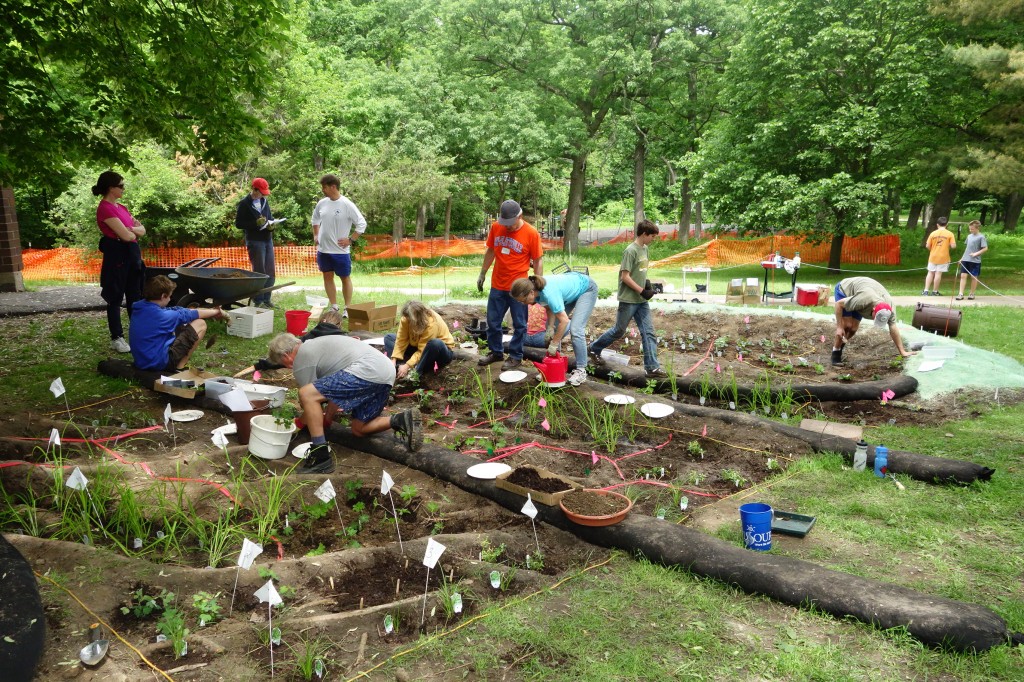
[512, 246]
[939, 243]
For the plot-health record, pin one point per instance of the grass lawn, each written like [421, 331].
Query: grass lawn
[631, 620]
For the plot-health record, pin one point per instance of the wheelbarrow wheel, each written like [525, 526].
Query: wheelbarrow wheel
[192, 301]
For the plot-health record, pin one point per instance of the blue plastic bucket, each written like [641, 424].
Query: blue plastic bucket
[757, 526]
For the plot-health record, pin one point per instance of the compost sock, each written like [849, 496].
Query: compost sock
[21, 616]
[936, 621]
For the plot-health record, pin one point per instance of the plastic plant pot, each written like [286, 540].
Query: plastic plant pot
[598, 521]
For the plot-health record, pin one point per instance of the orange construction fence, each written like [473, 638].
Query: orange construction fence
[83, 265]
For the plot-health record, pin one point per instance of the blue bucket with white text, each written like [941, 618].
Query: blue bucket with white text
[756, 519]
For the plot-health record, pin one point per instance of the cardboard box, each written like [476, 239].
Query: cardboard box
[250, 322]
[368, 317]
[550, 499]
[188, 392]
[743, 291]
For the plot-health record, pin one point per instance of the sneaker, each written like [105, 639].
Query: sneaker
[960, 297]
[344, 314]
[837, 357]
[490, 358]
[925, 293]
[511, 363]
[577, 376]
[408, 426]
[971, 297]
[319, 460]
[596, 358]
[656, 373]
[119, 345]
[335, 307]
[935, 293]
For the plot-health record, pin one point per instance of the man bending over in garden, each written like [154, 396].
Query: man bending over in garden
[164, 337]
[857, 298]
[347, 374]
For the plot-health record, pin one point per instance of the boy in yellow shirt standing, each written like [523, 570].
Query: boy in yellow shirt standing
[939, 243]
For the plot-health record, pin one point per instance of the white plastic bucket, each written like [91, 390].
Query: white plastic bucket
[269, 439]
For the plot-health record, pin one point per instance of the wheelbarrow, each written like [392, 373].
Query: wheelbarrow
[182, 289]
[224, 287]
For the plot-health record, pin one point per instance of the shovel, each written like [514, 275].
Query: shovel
[96, 650]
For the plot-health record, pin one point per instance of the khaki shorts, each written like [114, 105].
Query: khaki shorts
[185, 339]
[941, 267]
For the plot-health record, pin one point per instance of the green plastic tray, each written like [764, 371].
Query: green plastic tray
[788, 523]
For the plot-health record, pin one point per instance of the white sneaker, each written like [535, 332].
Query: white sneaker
[335, 307]
[119, 345]
[577, 376]
[344, 314]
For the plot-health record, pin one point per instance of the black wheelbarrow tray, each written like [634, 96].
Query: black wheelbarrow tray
[223, 287]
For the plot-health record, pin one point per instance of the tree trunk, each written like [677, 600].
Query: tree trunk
[686, 206]
[1014, 203]
[698, 219]
[943, 204]
[398, 229]
[896, 206]
[448, 218]
[886, 208]
[639, 160]
[984, 212]
[421, 220]
[915, 214]
[577, 178]
[835, 253]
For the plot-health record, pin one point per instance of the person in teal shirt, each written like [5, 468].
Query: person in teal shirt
[572, 293]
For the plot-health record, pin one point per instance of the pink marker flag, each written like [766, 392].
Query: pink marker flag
[455, 324]
[887, 395]
[823, 338]
[542, 403]
[718, 368]
[545, 425]
[593, 457]
[746, 320]
[739, 356]
[704, 431]
[446, 407]
[257, 375]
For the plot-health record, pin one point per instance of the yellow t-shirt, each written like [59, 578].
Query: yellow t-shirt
[939, 243]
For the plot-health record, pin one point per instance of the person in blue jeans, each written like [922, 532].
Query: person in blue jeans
[572, 293]
[634, 293]
[423, 341]
[253, 216]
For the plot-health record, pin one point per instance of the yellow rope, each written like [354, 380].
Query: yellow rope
[511, 602]
[105, 624]
[82, 407]
[714, 440]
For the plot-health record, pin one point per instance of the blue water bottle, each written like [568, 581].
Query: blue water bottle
[881, 460]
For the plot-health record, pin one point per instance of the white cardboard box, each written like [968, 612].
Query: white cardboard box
[250, 322]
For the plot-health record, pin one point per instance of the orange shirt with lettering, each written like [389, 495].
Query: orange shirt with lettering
[513, 252]
[939, 243]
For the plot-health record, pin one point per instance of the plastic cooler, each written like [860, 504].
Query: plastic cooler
[807, 294]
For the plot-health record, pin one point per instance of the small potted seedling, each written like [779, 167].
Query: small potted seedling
[271, 433]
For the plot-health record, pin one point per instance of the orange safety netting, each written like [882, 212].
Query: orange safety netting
[880, 250]
[83, 265]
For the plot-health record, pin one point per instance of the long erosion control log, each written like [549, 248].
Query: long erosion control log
[936, 621]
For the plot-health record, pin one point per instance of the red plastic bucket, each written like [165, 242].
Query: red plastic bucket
[806, 295]
[295, 321]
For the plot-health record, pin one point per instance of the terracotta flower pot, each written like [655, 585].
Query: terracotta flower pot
[601, 519]
[243, 419]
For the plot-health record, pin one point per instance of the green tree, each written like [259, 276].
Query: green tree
[825, 102]
[84, 79]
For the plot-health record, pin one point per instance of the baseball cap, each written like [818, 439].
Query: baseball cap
[509, 214]
[261, 185]
[883, 315]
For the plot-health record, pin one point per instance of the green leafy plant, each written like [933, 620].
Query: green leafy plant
[733, 476]
[535, 561]
[408, 493]
[650, 387]
[694, 449]
[311, 655]
[489, 553]
[142, 605]
[352, 489]
[207, 606]
[172, 626]
[320, 549]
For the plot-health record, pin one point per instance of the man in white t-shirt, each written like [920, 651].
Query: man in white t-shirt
[336, 224]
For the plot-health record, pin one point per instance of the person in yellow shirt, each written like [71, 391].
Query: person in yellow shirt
[423, 341]
[939, 243]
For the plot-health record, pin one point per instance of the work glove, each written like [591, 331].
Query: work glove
[552, 349]
[480, 282]
[648, 292]
[548, 338]
[261, 221]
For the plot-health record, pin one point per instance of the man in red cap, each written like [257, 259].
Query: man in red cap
[857, 298]
[254, 218]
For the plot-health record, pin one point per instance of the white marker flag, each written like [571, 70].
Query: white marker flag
[529, 508]
[54, 438]
[434, 551]
[325, 493]
[77, 480]
[219, 439]
[386, 482]
[57, 388]
[167, 414]
[250, 550]
[268, 594]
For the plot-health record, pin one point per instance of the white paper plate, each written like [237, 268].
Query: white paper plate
[488, 470]
[301, 451]
[657, 410]
[512, 376]
[226, 429]
[186, 415]
[468, 345]
[619, 399]
[375, 341]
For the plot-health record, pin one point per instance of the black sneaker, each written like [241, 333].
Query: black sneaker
[596, 358]
[490, 358]
[837, 357]
[511, 363]
[319, 460]
[408, 427]
[657, 373]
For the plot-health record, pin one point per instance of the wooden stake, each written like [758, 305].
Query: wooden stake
[398, 586]
[360, 603]
[332, 583]
[362, 648]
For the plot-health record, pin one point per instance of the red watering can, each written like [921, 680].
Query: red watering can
[554, 369]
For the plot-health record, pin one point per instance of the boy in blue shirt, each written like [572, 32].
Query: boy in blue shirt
[163, 338]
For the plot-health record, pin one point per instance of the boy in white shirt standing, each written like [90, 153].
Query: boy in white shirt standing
[334, 218]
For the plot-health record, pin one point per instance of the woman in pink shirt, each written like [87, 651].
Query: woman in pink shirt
[123, 271]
